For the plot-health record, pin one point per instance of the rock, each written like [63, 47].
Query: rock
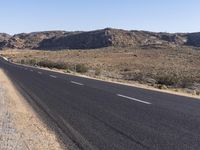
[163, 87]
[151, 81]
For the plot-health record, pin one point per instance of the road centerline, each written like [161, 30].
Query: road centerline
[134, 99]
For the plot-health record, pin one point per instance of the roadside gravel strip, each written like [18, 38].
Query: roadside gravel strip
[20, 128]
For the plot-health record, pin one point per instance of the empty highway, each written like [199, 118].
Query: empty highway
[99, 115]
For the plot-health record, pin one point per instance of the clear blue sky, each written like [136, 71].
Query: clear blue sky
[155, 15]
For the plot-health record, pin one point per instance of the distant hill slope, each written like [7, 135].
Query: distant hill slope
[4, 40]
[31, 40]
[54, 40]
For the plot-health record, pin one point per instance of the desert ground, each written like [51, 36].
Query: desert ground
[175, 68]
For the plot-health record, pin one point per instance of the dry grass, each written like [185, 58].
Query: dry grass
[174, 67]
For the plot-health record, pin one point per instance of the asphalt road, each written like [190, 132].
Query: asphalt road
[107, 116]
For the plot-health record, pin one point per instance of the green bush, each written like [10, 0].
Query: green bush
[81, 68]
[97, 71]
[186, 82]
[51, 64]
[168, 80]
[126, 69]
[22, 61]
[32, 62]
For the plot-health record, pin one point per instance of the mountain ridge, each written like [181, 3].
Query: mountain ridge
[58, 40]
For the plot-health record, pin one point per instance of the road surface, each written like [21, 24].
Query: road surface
[107, 116]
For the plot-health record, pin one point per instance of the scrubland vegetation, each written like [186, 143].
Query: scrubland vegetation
[177, 67]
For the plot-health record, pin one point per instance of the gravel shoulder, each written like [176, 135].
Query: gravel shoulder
[20, 127]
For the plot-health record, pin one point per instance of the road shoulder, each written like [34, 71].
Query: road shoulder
[20, 126]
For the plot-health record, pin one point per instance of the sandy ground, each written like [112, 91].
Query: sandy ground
[20, 128]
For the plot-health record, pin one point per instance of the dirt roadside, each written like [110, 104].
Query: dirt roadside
[20, 128]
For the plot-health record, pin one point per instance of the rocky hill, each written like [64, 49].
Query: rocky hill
[55, 40]
[4, 40]
[31, 40]
[112, 37]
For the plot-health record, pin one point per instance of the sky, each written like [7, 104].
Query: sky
[17, 16]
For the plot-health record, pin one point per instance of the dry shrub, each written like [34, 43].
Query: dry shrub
[81, 68]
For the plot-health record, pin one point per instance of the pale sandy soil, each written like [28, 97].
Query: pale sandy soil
[20, 127]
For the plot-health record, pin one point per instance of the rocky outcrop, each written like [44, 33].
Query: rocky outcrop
[4, 40]
[78, 40]
[56, 40]
[193, 39]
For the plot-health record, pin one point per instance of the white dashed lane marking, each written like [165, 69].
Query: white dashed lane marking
[52, 76]
[77, 83]
[134, 99]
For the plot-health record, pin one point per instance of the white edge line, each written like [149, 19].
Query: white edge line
[134, 99]
[76, 83]
[52, 76]
[5, 58]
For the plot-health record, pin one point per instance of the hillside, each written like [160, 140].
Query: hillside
[54, 40]
[4, 40]
[31, 40]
